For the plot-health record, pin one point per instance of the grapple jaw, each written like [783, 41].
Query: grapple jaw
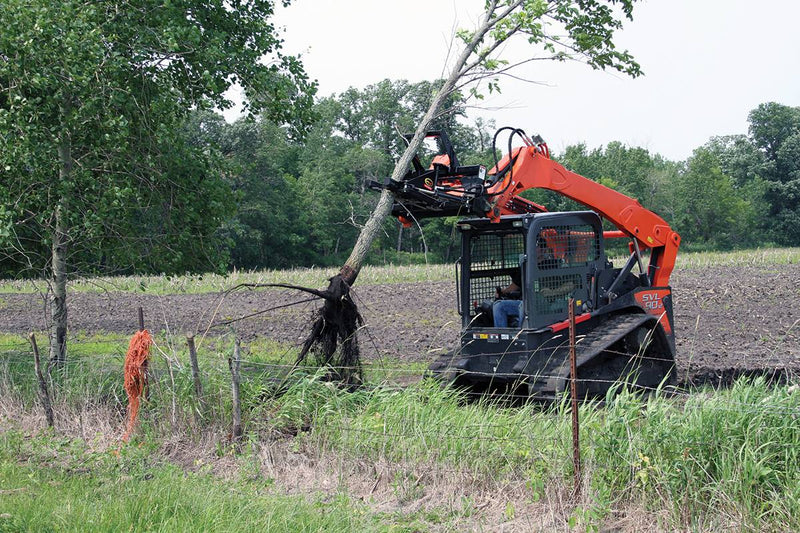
[442, 189]
[438, 194]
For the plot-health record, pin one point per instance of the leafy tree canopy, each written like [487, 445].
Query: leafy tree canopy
[775, 131]
[93, 101]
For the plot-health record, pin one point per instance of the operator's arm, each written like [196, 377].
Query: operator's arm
[512, 288]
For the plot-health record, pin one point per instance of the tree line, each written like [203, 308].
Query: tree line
[259, 193]
[113, 159]
[300, 202]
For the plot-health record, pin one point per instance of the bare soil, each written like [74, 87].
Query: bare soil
[729, 320]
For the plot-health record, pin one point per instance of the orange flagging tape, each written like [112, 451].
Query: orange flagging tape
[136, 375]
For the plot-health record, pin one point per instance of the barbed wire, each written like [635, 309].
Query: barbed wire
[221, 356]
[250, 365]
[508, 353]
[728, 407]
[530, 440]
[11, 348]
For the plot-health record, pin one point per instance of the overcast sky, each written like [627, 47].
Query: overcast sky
[707, 63]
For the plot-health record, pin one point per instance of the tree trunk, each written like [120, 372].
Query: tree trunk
[351, 268]
[400, 238]
[58, 280]
[334, 332]
[371, 229]
[58, 300]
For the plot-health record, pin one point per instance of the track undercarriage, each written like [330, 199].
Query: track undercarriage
[626, 349]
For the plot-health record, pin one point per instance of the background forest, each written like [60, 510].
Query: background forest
[258, 193]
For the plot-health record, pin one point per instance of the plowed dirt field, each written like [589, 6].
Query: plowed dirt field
[728, 319]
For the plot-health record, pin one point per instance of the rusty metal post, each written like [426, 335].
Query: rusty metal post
[573, 373]
[146, 365]
[44, 394]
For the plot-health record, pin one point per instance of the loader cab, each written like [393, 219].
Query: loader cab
[555, 255]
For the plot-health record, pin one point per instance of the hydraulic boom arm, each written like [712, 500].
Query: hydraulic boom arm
[532, 168]
[446, 189]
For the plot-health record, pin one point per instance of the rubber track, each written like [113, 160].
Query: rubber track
[588, 347]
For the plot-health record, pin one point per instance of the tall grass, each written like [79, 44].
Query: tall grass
[712, 459]
[758, 257]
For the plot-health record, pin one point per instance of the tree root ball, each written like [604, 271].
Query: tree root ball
[333, 341]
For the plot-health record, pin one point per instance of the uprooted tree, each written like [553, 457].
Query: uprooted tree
[558, 30]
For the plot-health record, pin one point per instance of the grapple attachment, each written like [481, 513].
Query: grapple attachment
[442, 189]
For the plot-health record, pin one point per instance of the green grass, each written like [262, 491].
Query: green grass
[93, 373]
[101, 353]
[52, 484]
[370, 275]
[703, 461]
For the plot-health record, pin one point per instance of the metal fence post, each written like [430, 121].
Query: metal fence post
[233, 363]
[573, 372]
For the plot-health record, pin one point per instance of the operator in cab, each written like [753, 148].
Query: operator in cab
[507, 308]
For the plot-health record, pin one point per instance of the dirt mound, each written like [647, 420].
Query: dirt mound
[728, 320]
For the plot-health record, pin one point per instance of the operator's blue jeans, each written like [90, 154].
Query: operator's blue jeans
[502, 310]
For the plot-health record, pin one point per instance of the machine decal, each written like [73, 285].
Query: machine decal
[652, 301]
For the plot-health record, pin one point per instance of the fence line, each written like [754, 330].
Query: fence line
[519, 379]
[411, 445]
[546, 436]
[19, 353]
[729, 406]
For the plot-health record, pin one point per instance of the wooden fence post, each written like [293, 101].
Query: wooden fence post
[146, 365]
[573, 373]
[44, 394]
[233, 363]
[198, 386]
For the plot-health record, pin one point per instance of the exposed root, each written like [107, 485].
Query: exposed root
[333, 339]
